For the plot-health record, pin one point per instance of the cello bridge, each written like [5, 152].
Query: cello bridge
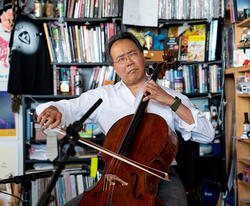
[112, 178]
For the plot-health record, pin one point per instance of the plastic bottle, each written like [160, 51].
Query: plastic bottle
[65, 84]
[49, 9]
[60, 8]
[77, 82]
[217, 147]
[38, 12]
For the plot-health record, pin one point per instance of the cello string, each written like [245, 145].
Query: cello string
[112, 193]
[104, 191]
[115, 164]
[110, 190]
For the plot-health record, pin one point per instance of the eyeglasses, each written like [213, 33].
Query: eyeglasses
[132, 55]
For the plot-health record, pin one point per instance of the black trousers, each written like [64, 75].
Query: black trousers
[171, 193]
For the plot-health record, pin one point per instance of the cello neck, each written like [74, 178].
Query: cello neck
[136, 120]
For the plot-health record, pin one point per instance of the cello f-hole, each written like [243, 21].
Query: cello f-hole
[135, 186]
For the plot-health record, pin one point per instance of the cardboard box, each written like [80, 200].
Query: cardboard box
[153, 55]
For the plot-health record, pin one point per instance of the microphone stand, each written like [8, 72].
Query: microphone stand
[71, 131]
[25, 181]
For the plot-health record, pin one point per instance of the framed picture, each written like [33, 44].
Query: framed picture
[242, 8]
[7, 117]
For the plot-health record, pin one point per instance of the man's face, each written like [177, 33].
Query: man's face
[129, 62]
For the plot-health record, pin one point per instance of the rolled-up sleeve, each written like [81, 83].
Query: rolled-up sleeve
[73, 109]
[200, 131]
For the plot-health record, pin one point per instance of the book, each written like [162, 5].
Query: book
[213, 40]
[95, 77]
[87, 130]
[86, 43]
[82, 43]
[68, 46]
[79, 181]
[195, 42]
[73, 185]
[172, 40]
[71, 9]
[56, 36]
[74, 43]
[48, 39]
[78, 46]
[73, 70]
[28, 125]
[71, 43]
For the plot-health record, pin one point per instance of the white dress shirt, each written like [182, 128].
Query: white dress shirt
[118, 101]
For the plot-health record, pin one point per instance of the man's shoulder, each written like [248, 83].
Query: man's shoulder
[107, 88]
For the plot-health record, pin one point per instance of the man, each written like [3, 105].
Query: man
[121, 99]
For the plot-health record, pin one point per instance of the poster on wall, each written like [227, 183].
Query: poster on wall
[8, 164]
[140, 13]
[5, 28]
[7, 117]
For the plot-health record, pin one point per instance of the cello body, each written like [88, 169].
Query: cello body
[154, 145]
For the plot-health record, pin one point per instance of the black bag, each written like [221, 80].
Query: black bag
[30, 70]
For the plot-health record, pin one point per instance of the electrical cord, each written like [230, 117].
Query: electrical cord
[11, 195]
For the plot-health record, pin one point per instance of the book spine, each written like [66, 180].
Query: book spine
[48, 42]
[208, 39]
[54, 81]
[96, 9]
[71, 44]
[67, 42]
[78, 46]
[73, 70]
[83, 44]
[28, 125]
[86, 41]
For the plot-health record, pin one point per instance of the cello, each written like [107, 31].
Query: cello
[144, 139]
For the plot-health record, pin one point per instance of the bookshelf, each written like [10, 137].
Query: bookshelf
[237, 105]
[76, 175]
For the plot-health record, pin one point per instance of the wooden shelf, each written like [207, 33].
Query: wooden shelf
[244, 183]
[244, 140]
[245, 161]
[246, 201]
[244, 45]
[237, 105]
[244, 23]
[244, 95]
[237, 69]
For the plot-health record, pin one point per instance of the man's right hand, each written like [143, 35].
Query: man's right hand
[50, 117]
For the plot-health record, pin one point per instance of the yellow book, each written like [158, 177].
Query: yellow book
[78, 45]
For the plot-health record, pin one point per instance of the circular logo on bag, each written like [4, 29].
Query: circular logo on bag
[26, 38]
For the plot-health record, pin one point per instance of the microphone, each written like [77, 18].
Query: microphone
[72, 130]
[31, 176]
